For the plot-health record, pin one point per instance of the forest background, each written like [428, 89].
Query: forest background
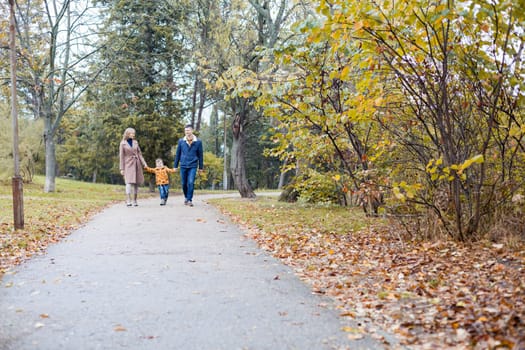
[416, 106]
[417, 100]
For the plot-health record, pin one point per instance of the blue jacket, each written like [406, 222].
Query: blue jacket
[189, 156]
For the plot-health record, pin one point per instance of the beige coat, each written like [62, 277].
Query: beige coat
[132, 162]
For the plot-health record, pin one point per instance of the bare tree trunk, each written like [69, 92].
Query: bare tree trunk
[202, 102]
[194, 100]
[225, 155]
[238, 160]
[282, 176]
[51, 162]
[17, 183]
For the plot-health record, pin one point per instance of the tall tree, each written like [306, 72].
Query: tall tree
[251, 28]
[201, 20]
[324, 125]
[18, 199]
[56, 41]
[144, 84]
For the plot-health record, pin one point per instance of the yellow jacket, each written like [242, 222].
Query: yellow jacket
[161, 174]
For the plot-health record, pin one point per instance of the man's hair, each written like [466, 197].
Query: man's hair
[188, 126]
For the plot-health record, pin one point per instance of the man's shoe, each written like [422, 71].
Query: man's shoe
[186, 202]
[162, 202]
[190, 203]
[135, 204]
[128, 204]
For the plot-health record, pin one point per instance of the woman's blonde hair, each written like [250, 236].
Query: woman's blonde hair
[128, 131]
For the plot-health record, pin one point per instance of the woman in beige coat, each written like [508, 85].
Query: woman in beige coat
[131, 165]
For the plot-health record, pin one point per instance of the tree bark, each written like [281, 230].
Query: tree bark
[51, 162]
[17, 183]
[202, 102]
[282, 176]
[225, 155]
[194, 100]
[238, 159]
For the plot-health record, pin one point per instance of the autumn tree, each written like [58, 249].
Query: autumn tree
[250, 29]
[83, 152]
[30, 147]
[449, 97]
[203, 16]
[326, 133]
[56, 42]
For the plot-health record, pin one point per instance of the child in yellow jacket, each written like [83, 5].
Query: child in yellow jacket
[162, 179]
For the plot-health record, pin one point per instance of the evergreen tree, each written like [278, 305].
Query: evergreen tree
[142, 86]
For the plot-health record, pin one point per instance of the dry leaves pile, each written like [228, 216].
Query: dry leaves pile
[431, 295]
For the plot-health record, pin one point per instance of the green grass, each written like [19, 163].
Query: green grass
[68, 189]
[70, 196]
[270, 215]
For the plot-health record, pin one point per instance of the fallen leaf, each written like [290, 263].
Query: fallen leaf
[119, 328]
[350, 329]
[355, 336]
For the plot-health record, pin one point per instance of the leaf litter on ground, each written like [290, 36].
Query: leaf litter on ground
[430, 294]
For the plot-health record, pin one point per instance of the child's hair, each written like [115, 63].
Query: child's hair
[159, 160]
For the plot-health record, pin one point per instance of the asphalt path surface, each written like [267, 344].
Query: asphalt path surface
[165, 277]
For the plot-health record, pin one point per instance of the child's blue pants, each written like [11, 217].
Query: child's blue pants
[164, 191]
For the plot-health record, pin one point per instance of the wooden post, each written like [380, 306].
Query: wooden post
[18, 200]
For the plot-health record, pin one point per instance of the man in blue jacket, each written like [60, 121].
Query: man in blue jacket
[190, 156]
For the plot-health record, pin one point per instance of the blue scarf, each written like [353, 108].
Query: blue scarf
[130, 142]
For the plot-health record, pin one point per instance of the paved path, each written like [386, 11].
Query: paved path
[173, 277]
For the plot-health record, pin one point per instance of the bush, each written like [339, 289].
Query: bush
[30, 146]
[313, 187]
